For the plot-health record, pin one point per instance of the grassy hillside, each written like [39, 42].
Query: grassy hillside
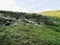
[40, 30]
[52, 13]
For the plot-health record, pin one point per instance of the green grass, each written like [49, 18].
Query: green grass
[28, 35]
[55, 13]
[23, 34]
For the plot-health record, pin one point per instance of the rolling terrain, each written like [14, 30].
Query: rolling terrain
[55, 13]
[20, 28]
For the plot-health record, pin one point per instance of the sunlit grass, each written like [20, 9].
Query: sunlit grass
[55, 13]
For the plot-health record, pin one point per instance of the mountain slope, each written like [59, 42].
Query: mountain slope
[32, 29]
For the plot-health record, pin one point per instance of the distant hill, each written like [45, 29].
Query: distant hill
[51, 13]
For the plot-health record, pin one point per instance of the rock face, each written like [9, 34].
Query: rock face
[8, 21]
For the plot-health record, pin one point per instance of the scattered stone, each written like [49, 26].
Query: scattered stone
[29, 21]
[35, 24]
[27, 24]
[54, 22]
[15, 24]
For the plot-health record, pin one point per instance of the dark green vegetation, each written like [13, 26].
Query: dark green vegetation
[43, 31]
